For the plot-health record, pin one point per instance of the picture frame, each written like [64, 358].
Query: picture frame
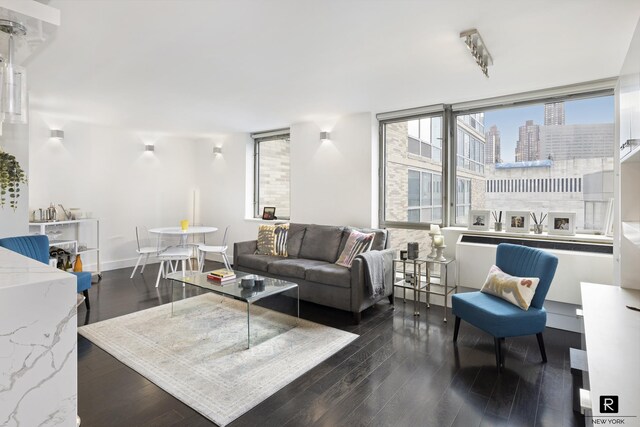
[479, 219]
[269, 213]
[562, 223]
[517, 221]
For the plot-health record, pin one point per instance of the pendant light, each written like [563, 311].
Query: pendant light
[13, 79]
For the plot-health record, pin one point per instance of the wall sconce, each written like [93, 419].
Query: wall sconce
[325, 136]
[478, 49]
[217, 151]
[57, 134]
[149, 147]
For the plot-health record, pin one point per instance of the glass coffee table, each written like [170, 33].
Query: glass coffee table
[234, 290]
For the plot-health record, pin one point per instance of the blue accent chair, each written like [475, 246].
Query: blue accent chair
[37, 247]
[501, 318]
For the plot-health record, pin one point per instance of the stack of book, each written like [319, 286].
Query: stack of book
[222, 276]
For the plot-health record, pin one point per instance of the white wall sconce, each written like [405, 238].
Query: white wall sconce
[217, 151]
[57, 134]
[149, 147]
[325, 136]
[478, 49]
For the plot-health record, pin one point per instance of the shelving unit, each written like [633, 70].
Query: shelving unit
[67, 234]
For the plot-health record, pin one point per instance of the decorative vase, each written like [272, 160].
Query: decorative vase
[537, 228]
[497, 226]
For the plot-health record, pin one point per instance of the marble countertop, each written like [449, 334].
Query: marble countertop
[18, 270]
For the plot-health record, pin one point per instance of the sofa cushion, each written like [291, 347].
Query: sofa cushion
[357, 243]
[330, 274]
[379, 241]
[293, 267]
[256, 262]
[272, 240]
[321, 242]
[294, 239]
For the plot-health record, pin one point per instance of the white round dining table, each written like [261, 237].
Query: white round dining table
[184, 234]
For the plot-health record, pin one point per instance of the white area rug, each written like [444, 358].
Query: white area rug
[199, 355]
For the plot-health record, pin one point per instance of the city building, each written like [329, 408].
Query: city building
[578, 141]
[528, 145]
[492, 145]
[554, 113]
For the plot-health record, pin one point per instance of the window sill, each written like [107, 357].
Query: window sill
[580, 238]
[267, 221]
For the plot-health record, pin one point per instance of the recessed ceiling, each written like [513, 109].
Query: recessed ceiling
[207, 67]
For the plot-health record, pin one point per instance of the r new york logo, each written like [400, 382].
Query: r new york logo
[608, 404]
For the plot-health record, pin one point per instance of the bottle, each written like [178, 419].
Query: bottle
[60, 264]
[77, 266]
[68, 266]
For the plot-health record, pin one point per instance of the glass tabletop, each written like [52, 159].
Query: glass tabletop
[233, 289]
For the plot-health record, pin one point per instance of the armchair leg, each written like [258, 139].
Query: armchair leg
[543, 353]
[456, 328]
[390, 299]
[357, 317]
[498, 345]
[86, 299]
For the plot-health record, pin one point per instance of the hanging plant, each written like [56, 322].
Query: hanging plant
[11, 176]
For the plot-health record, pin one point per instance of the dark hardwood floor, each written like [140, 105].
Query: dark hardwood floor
[399, 372]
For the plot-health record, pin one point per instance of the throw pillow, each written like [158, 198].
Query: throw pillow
[272, 240]
[519, 291]
[357, 243]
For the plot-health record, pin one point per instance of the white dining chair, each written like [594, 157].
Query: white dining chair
[169, 256]
[205, 249]
[145, 248]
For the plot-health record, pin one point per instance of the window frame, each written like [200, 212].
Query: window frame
[449, 112]
[257, 139]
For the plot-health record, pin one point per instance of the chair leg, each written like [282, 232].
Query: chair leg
[86, 299]
[160, 270]
[543, 353]
[456, 329]
[146, 259]
[227, 264]
[200, 261]
[136, 267]
[498, 345]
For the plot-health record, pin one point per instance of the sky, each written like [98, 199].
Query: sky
[508, 120]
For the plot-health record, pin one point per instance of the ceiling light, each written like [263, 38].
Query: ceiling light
[13, 82]
[325, 136]
[149, 147]
[478, 49]
[57, 134]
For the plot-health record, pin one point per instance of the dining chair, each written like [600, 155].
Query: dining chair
[168, 255]
[37, 247]
[500, 318]
[205, 249]
[145, 248]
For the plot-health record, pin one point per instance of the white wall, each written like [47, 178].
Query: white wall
[15, 141]
[106, 171]
[332, 181]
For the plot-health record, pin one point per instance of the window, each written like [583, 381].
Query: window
[413, 185]
[272, 174]
[539, 161]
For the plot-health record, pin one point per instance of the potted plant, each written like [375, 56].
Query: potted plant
[11, 176]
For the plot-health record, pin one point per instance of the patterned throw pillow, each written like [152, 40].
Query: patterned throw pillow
[519, 291]
[357, 243]
[272, 240]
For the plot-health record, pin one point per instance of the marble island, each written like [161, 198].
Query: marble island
[38, 336]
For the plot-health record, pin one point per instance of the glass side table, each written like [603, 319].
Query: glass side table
[442, 287]
[411, 271]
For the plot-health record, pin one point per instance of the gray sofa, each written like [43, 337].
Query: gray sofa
[312, 251]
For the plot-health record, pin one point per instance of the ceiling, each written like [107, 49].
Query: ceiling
[198, 68]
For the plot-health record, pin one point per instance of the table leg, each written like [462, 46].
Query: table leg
[446, 294]
[172, 298]
[248, 325]
[298, 296]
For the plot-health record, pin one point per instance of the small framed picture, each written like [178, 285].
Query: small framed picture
[479, 220]
[562, 223]
[269, 212]
[517, 222]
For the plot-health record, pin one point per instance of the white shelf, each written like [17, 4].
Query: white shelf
[632, 157]
[88, 250]
[63, 222]
[579, 238]
[61, 242]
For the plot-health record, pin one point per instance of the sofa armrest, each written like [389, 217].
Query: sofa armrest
[241, 248]
[360, 298]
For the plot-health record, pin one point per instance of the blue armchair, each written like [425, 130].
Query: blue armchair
[501, 318]
[37, 247]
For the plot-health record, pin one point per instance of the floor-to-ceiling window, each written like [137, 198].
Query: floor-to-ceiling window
[272, 174]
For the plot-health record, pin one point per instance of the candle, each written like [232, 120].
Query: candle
[438, 241]
[435, 229]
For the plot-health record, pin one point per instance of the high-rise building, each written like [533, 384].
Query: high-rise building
[554, 114]
[492, 145]
[528, 145]
[580, 141]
